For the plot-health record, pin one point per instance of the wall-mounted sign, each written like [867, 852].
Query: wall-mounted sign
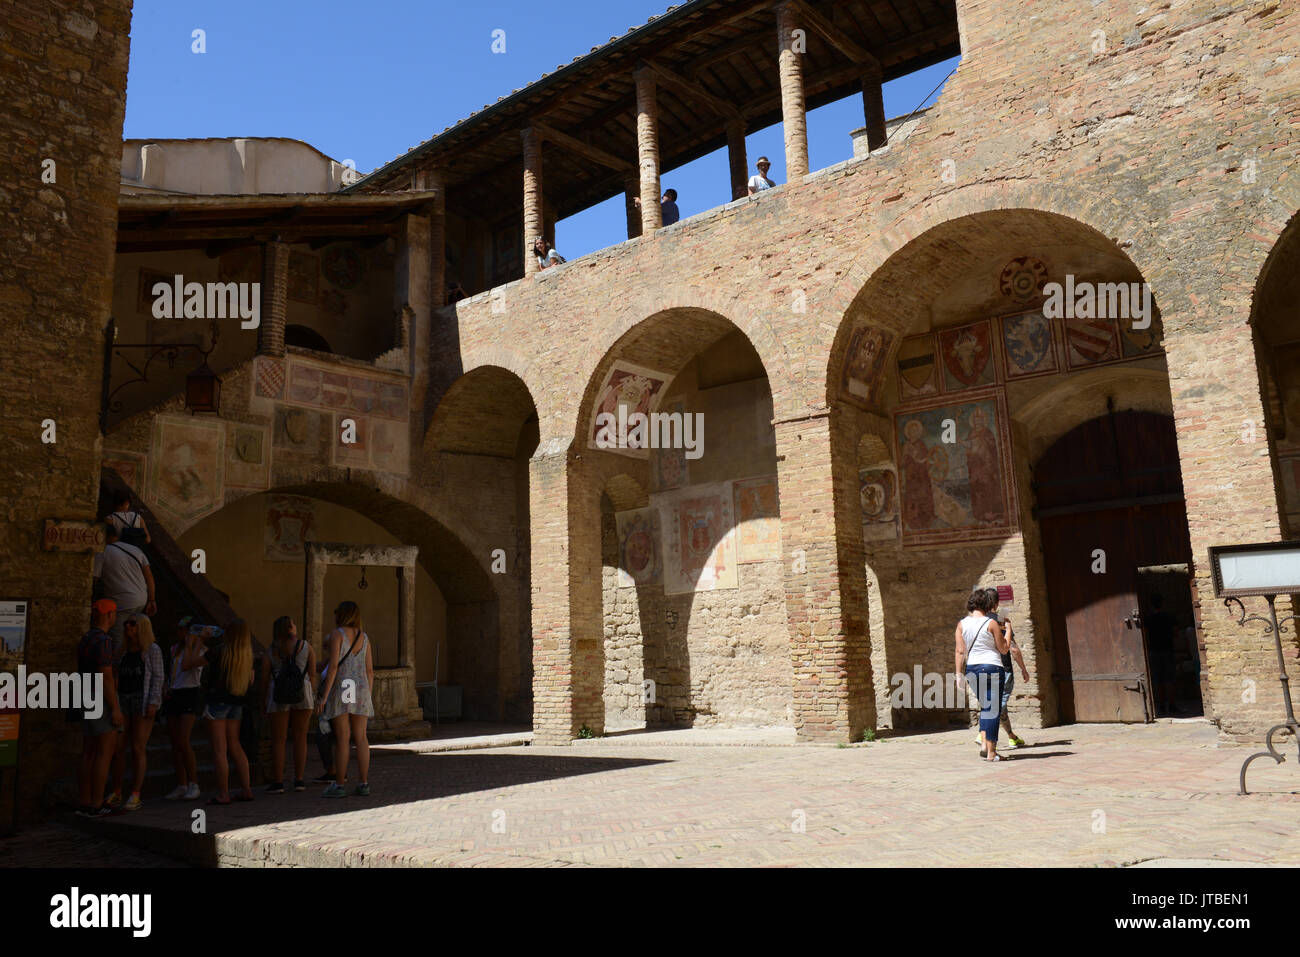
[1266, 568]
[1006, 595]
[13, 644]
[72, 535]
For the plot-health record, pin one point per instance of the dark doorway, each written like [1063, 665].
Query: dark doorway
[305, 338]
[1109, 500]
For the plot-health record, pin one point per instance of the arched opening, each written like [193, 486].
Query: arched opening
[962, 360]
[481, 437]
[305, 337]
[254, 550]
[1277, 355]
[692, 598]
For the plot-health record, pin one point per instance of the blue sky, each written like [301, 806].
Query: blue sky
[367, 81]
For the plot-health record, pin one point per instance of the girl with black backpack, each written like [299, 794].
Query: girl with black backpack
[288, 671]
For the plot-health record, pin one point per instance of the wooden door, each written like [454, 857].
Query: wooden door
[1108, 499]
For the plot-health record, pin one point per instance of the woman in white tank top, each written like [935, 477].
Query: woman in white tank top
[981, 644]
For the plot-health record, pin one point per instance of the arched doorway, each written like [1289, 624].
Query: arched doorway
[1108, 497]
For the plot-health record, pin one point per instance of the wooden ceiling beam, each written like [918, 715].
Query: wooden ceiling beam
[691, 91]
[575, 145]
[836, 38]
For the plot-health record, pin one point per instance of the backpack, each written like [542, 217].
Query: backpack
[132, 535]
[288, 685]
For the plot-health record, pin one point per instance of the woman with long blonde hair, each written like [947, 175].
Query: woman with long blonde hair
[287, 673]
[229, 673]
[345, 696]
[141, 672]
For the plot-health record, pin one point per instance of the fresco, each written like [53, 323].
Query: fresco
[639, 558]
[954, 490]
[758, 519]
[1027, 344]
[918, 374]
[631, 388]
[864, 364]
[290, 520]
[701, 546]
[187, 465]
[878, 490]
[966, 357]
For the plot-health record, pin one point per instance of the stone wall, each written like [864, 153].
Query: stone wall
[63, 84]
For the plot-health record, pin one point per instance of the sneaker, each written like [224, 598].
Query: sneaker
[176, 793]
[192, 791]
[114, 800]
[132, 803]
[324, 778]
[276, 788]
[1014, 742]
[334, 791]
[300, 785]
[362, 790]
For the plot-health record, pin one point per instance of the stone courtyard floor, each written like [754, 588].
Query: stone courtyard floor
[1087, 795]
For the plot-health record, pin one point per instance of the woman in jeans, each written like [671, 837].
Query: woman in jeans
[230, 672]
[289, 651]
[345, 696]
[140, 679]
[981, 644]
[182, 707]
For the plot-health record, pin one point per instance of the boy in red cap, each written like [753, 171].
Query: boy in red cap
[99, 728]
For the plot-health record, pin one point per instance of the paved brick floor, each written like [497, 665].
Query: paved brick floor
[1082, 795]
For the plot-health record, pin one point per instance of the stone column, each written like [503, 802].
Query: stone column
[568, 628]
[736, 159]
[825, 580]
[313, 613]
[873, 108]
[275, 283]
[533, 220]
[434, 179]
[647, 145]
[632, 188]
[793, 114]
[406, 614]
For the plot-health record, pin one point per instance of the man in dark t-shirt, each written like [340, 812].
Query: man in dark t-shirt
[102, 720]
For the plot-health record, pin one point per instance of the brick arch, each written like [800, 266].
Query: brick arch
[669, 336]
[1251, 253]
[482, 413]
[1099, 216]
[450, 551]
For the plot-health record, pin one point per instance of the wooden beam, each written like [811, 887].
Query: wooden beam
[836, 38]
[692, 91]
[575, 145]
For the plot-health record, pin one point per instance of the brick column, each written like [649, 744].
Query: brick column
[533, 221]
[736, 159]
[793, 114]
[568, 633]
[275, 283]
[632, 188]
[406, 614]
[825, 580]
[873, 108]
[1228, 482]
[647, 147]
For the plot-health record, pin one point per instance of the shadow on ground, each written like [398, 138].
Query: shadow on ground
[395, 778]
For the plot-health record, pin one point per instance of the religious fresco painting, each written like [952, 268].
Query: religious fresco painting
[865, 362]
[966, 357]
[629, 388]
[290, 520]
[187, 458]
[958, 490]
[918, 372]
[1028, 345]
[701, 543]
[878, 491]
[640, 561]
[758, 519]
